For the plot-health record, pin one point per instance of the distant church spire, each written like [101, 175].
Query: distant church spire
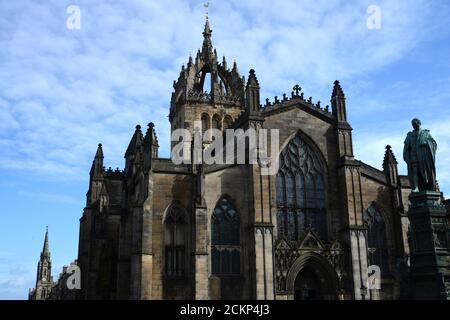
[44, 279]
[45, 250]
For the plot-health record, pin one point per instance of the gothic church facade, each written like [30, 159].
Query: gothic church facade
[157, 230]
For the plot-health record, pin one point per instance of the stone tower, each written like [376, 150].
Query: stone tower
[207, 91]
[44, 279]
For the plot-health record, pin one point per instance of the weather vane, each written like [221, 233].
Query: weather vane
[206, 5]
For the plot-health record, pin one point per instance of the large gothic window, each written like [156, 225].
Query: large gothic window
[175, 238]
[300, 191]
[377, 250]
[225, 239]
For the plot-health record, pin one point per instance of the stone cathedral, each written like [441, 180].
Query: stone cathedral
[314, 230]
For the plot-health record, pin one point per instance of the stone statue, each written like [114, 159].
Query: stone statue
[420, 154]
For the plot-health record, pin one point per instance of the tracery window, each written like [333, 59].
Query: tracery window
[175, 238]
[300, 187]
[225, 238]
[377, 249]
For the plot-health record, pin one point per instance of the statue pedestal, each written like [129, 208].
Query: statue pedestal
[430, 259]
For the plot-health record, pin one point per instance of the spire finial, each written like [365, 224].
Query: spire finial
[337, 90]
[207, 31]
[234, 64]
[389, 157]
[99, 153]
[206, 6]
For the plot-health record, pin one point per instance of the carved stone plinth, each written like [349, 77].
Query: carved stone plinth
[430, 260]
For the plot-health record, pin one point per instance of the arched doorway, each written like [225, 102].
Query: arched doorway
[308, 286]
[312, 277]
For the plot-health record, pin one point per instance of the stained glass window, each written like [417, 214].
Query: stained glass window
[300, 188]
[377, 249]
[175, 242]
[225, 238]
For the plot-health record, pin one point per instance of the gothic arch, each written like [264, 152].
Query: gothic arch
[175, 244]
[205, 76]
[174, 204]
[328, 276]
[301, 189]
[225, 237]
[310, 142]
[378, 236]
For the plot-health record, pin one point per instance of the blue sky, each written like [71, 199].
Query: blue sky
[63, 91]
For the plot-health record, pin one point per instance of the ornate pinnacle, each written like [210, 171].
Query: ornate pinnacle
[389, 157]
[337, 90]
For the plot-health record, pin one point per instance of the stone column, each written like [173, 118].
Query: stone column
[141, 267]
[350, 176]
[201, 254]
[430, 259]
[264, 262]
[263, 233]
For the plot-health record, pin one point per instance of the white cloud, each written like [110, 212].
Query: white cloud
[370, 147]
[64, 91]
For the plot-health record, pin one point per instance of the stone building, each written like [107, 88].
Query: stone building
[46, 288]
[44, 279]
[159, 230]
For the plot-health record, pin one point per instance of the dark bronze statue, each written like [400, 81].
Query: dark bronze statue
[420, 155]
